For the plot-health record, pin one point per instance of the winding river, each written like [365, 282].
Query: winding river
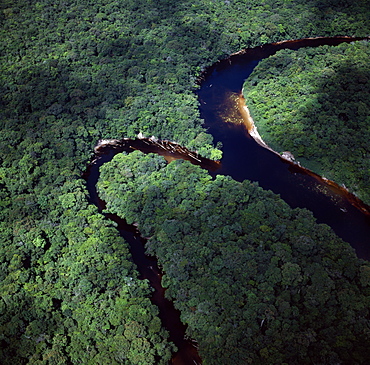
[146, 265]
[243, 158]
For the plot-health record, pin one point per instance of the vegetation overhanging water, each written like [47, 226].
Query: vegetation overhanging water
[147, 265]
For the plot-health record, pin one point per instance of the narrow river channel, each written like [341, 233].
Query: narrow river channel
[147, 265]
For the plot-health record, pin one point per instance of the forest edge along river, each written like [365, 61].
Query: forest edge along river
[288, 156]
[147, 265]
[243, 158]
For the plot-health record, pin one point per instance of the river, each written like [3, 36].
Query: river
[147, 265]
[243, 158]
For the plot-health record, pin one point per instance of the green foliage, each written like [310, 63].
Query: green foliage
[315, 103]
[70, 294]
[256, 281]
[73, 72]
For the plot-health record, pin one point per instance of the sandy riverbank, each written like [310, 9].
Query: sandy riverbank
[253, 132]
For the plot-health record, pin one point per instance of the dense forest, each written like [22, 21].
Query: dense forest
[256, 281]
[323, 96]
[76, 71]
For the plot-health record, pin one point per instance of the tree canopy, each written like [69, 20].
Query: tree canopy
[73, 72]
[315, 103]
[256, 281]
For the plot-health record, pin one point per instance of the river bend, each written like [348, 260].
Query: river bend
[243, 158]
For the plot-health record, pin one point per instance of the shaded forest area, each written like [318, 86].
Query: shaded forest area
[73, 72]
[315, 103]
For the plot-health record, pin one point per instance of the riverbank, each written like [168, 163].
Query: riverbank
[315, 102]
[147, 265]
[288, 156]
[251, 126]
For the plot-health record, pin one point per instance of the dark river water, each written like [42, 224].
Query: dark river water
[147, 265]
[242, 159]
